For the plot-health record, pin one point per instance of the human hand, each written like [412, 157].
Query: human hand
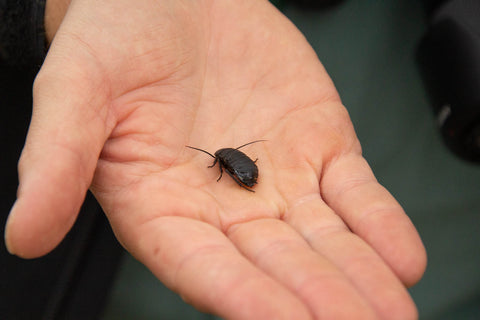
[126, 85]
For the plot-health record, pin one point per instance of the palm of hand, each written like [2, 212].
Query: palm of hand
[212, 83]
[223, 99]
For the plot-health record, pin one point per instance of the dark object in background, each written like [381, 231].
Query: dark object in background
[315, 4]
[431, 5]
[449, 61]
[306, 4]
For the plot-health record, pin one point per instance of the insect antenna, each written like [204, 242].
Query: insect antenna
[211, 155]
[246, 144]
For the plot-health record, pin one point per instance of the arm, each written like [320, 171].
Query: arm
[55, 11]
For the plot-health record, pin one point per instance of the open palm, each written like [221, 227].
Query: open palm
[125, 87]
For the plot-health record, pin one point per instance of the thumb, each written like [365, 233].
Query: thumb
[66, 134]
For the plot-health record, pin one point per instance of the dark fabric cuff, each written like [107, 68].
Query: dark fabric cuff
[22, 32]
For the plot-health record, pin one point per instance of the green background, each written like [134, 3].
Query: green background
[368, 48]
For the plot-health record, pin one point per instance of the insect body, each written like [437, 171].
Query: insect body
[237, 164]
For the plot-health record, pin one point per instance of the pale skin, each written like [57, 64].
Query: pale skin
[127, 84]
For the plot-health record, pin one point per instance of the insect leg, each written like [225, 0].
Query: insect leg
[214, 162]
[238, 181]
[221, 170]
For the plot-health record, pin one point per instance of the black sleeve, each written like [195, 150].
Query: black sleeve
[22, 32]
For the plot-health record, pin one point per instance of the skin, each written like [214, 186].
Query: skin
[127, 84]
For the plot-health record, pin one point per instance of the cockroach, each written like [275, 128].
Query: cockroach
[237, 164]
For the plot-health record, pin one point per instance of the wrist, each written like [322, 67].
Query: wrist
[55, 11]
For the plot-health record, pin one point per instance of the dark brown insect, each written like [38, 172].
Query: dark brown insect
[237, 164]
